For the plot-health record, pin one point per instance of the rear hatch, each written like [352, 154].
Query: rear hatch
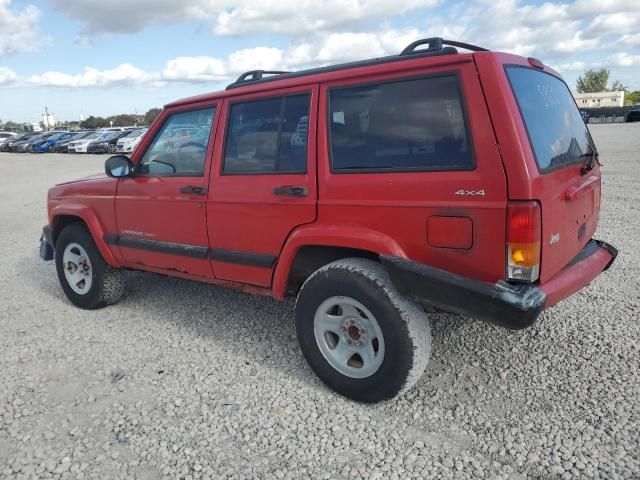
[567, 184]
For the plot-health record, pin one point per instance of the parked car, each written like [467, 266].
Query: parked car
[50, 144]
[62, 146]
[16, 144]
[128, 143]
[108, 143]
[5, 138]
[4, 135]
[81, 145]
[585, 116]
[42, 143]
[633, 115]
[367, 190]
[35, 140]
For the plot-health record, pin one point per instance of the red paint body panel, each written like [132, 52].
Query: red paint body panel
[450, 232]
[561, 218]
[398, 205]
[243, 212]
[577, 276]
[91, 200]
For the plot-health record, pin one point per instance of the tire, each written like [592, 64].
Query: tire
[398, 339]
[85, 277]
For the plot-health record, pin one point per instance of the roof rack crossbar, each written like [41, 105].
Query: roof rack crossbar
[436, 44]
[255, 75]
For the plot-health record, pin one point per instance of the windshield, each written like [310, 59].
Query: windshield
[92, 136]
[558, 134]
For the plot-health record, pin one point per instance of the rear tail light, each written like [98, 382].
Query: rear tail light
[523, 241]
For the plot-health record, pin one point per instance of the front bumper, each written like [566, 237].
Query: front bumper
[46, 243]
[513, 306]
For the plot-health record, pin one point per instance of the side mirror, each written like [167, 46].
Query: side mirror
[118, 166]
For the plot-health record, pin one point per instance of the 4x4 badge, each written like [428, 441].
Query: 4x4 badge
[471, 193]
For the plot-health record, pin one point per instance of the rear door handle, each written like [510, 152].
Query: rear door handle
[194, 190]
[291, 191]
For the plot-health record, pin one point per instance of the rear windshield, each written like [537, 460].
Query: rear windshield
[557, 132]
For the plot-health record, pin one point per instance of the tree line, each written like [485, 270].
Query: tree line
[121, 120]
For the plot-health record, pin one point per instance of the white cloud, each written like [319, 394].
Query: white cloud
[623, 60]
[330, 49]
[619, 22]
[125, 74]
[300, 17]
[7, 76]
[233, 17]
[18, 28]
[573, 35]
[631, 40]
[194, 69]
[570, 67]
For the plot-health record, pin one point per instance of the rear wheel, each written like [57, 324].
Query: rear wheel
[358, 334]
[87, 280]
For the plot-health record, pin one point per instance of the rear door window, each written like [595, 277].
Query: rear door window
[268, 136]
[411, 124]
[558, 134]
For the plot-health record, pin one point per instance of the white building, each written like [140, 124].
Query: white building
[48, 120]
[600, 99]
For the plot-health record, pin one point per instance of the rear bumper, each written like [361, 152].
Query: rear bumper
[595, 258]
[513, 306]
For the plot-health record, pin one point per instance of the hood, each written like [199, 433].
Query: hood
[95, 176]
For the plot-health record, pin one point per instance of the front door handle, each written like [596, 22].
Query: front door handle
[194, 190]
[291, 191]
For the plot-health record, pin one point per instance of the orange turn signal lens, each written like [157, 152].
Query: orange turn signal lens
[525, 254]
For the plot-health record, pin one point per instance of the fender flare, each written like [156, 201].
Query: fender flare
[89, 217]
[347, 236]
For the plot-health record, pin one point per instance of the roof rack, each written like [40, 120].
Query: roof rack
[255, 75]
[435, 46]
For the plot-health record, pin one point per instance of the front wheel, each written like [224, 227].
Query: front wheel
[87, 280]
[358, 334]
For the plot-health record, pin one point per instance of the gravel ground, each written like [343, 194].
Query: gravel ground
[183, 380]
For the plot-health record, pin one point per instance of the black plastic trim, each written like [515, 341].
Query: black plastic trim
[47, 232]
[171, 248]
[510, 306]
[609, 248]
[250, 259]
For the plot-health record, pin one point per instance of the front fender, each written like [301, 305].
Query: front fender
[348, 236]
[91, 220]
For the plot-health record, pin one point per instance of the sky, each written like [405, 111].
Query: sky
[104, 57]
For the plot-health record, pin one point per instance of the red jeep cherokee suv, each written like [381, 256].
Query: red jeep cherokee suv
[465, 182]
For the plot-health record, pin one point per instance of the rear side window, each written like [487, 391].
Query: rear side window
[180, 147]
[268, 136]
[416, 124]
[558, 134]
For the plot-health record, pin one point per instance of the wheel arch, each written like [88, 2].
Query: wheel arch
[61, 217]
[311, 247]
